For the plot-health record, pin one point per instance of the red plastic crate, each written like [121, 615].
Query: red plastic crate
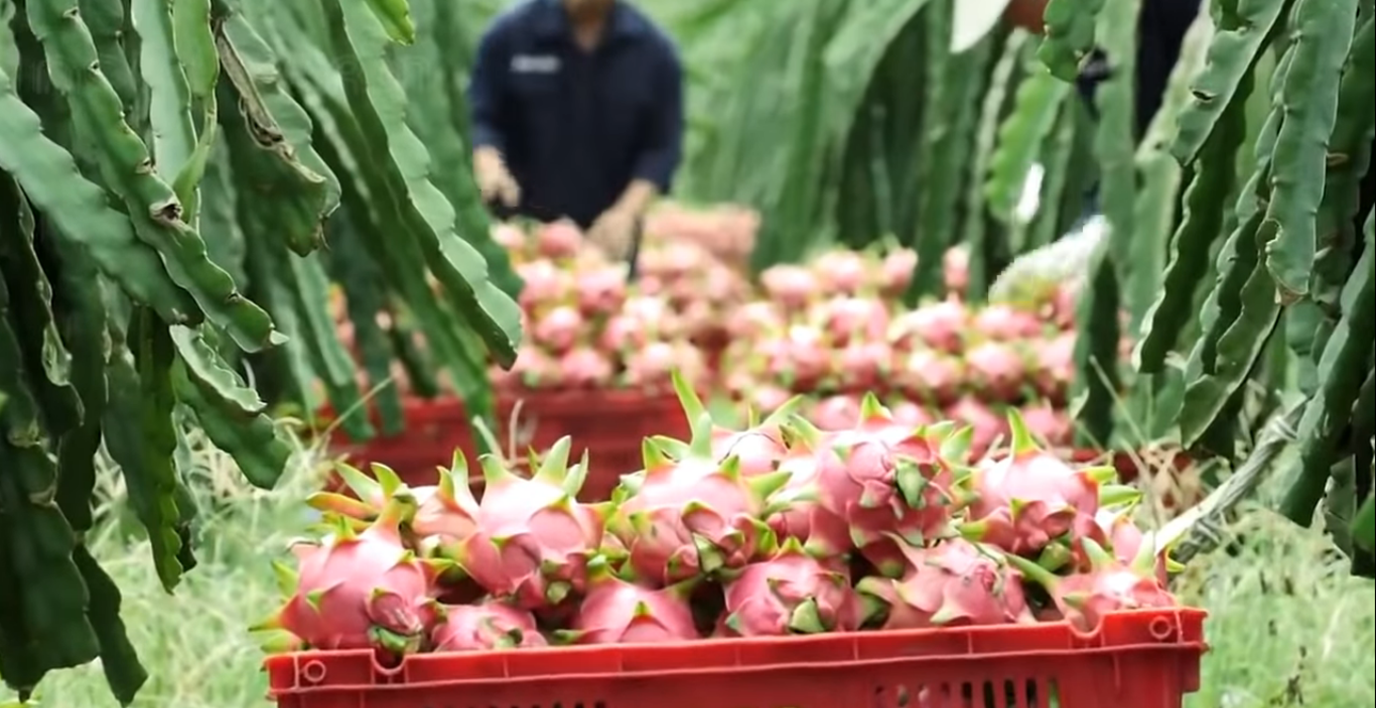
[610, 425]
[1144, 659]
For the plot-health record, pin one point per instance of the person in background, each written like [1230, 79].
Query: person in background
[577, 112]
[1161, 30]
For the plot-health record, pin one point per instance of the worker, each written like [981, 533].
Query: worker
[1161, 30]
[578, 113]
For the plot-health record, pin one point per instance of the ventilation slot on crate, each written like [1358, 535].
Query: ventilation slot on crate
[1027, 693]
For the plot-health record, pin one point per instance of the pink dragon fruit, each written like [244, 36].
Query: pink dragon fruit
[930, 376]
[883, 477]
[790, 286]
[1111, 586]
[441, 510]
[544, 283]
[753, 319]
[650, 365]
[986, 425]
[758, 448]
[896, 272]
[765, 397]
[533, 539]
[791, 593]
[864, 365]
[355, 591]
[1004, 323]
[940, 326]
[1126, 540]
[842, 272]
[997, 370]
[688, 514]
[1031, 497]
[802, 516]
[836, 412]
[848, 319]
[558, 329]
[954, 583]
[601, 291]
[1053, 365]
[509, 237]
[585, 367]
[910, 414]
[490, 625]
[1049, 424]
[616, 611]
[802, 359]
[534, 367]
[560, 239]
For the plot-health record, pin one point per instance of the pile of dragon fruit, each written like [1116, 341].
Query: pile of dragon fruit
[588, 328]
[778, 529]
[834, 329]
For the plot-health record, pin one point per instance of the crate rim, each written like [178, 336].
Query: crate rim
[1077, 644]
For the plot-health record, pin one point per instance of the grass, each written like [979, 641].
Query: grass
[1288, 626]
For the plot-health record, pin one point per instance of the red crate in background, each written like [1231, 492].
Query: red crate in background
[610, 425]
[1142, 659]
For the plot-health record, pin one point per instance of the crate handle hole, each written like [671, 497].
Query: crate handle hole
[1161, 629]
[314, 671]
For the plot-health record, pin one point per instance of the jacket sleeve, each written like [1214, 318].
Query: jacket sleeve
[662, 152]
[487, 88]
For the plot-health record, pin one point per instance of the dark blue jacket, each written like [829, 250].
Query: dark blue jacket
[577, 127]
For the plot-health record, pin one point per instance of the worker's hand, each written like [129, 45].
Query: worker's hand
[495, 182]
[612, 232]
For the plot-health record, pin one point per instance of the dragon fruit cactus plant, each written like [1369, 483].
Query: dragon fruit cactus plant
[950, 584]
[531, 539]
[618, 611]
[791, 593]
[1031, 498]
[360, 590]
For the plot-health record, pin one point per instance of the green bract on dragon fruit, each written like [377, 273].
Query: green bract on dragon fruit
[779, 528]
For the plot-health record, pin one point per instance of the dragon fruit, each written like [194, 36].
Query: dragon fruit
[987, 427]
[601, 291]
[896, 272]
[791, 593]
[687, 513]
[1049, 424]
[848, 319]
[1004, 323]
[997, 370]
[940, 326]
[791, 286]
[490, 625]
[1126, 540]
[802, 517]
[1030, 497]
[882, 476]
[954, 583]
[1110, 586]
[364, 590]
[560, 239]
[533, 539]
[930, 376]
[842, 272]
[836, 412]
[864, 364]
[955, 270]
[616, 611]
[758, 448]
[441, 510]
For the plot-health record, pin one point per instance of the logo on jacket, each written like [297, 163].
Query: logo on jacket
[535, 64]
